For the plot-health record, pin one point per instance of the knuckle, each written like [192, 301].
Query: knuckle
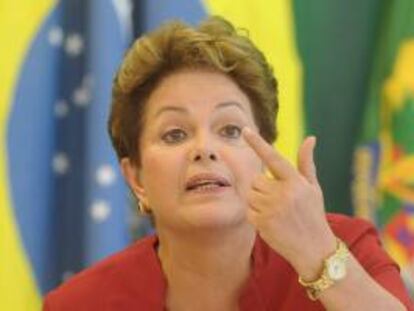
[249, 197]
[256, 182]
[261, 182]
[273, 161]
[252, 197]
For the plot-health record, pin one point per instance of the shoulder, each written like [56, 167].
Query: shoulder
[363, 240]
[350, 229]
[107, 276]
[365, 244]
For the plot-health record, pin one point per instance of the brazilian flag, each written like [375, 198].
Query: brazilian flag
[19, 21]
[384, 160]
[63, 203]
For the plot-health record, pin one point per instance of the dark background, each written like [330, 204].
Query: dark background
[337, 42]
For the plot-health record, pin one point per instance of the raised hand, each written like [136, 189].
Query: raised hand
[287, 208]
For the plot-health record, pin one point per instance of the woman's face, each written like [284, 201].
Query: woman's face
[196, 169]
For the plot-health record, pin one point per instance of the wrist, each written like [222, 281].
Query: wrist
[334, 270]
[310, 266]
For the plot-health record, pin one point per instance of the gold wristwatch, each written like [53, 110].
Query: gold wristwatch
[334, 270]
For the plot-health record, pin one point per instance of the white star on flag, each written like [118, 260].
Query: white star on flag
[105, 175]
[100, 211]
[74, 45]
[60, 163]
[82, 96]
[55, 36]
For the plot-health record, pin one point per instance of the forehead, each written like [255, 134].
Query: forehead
[195, 90]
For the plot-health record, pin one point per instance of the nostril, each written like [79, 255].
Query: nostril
[200, 156]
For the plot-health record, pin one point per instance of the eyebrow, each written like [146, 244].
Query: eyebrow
[229, 104]
[185, 111]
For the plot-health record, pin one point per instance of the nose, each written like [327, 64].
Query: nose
[203, 150]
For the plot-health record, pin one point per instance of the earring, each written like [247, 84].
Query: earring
[143, 209]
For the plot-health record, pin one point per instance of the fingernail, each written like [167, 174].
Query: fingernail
[314, 141]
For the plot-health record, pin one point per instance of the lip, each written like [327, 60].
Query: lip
[223, 181]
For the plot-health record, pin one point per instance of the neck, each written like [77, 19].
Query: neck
[212, 264]
[207, 253]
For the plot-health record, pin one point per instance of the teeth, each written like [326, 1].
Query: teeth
[205, 186]
[206, 183]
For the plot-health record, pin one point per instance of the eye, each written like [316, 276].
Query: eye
[174, 136]
[231, 131]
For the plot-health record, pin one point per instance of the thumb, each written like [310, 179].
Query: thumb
[306, 164]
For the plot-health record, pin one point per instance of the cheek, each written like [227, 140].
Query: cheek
[160, 169]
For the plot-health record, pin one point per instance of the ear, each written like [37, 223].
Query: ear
[132, 176]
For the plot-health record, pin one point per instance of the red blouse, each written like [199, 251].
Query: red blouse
[133, 280]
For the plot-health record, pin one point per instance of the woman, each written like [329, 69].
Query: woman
[192, 123]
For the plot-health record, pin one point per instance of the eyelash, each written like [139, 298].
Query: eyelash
[169, 138]
[233, 127]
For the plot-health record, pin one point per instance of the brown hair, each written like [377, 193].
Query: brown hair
[214, 45]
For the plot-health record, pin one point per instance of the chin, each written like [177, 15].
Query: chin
[204, 217]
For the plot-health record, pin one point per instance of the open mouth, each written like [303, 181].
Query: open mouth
[204, 182]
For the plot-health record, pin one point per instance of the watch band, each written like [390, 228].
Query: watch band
[330, 267]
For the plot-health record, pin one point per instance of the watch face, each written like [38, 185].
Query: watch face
[336, 269]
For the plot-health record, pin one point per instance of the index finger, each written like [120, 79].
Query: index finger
[275, 162]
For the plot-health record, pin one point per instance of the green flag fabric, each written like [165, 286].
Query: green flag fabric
[384, 160]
